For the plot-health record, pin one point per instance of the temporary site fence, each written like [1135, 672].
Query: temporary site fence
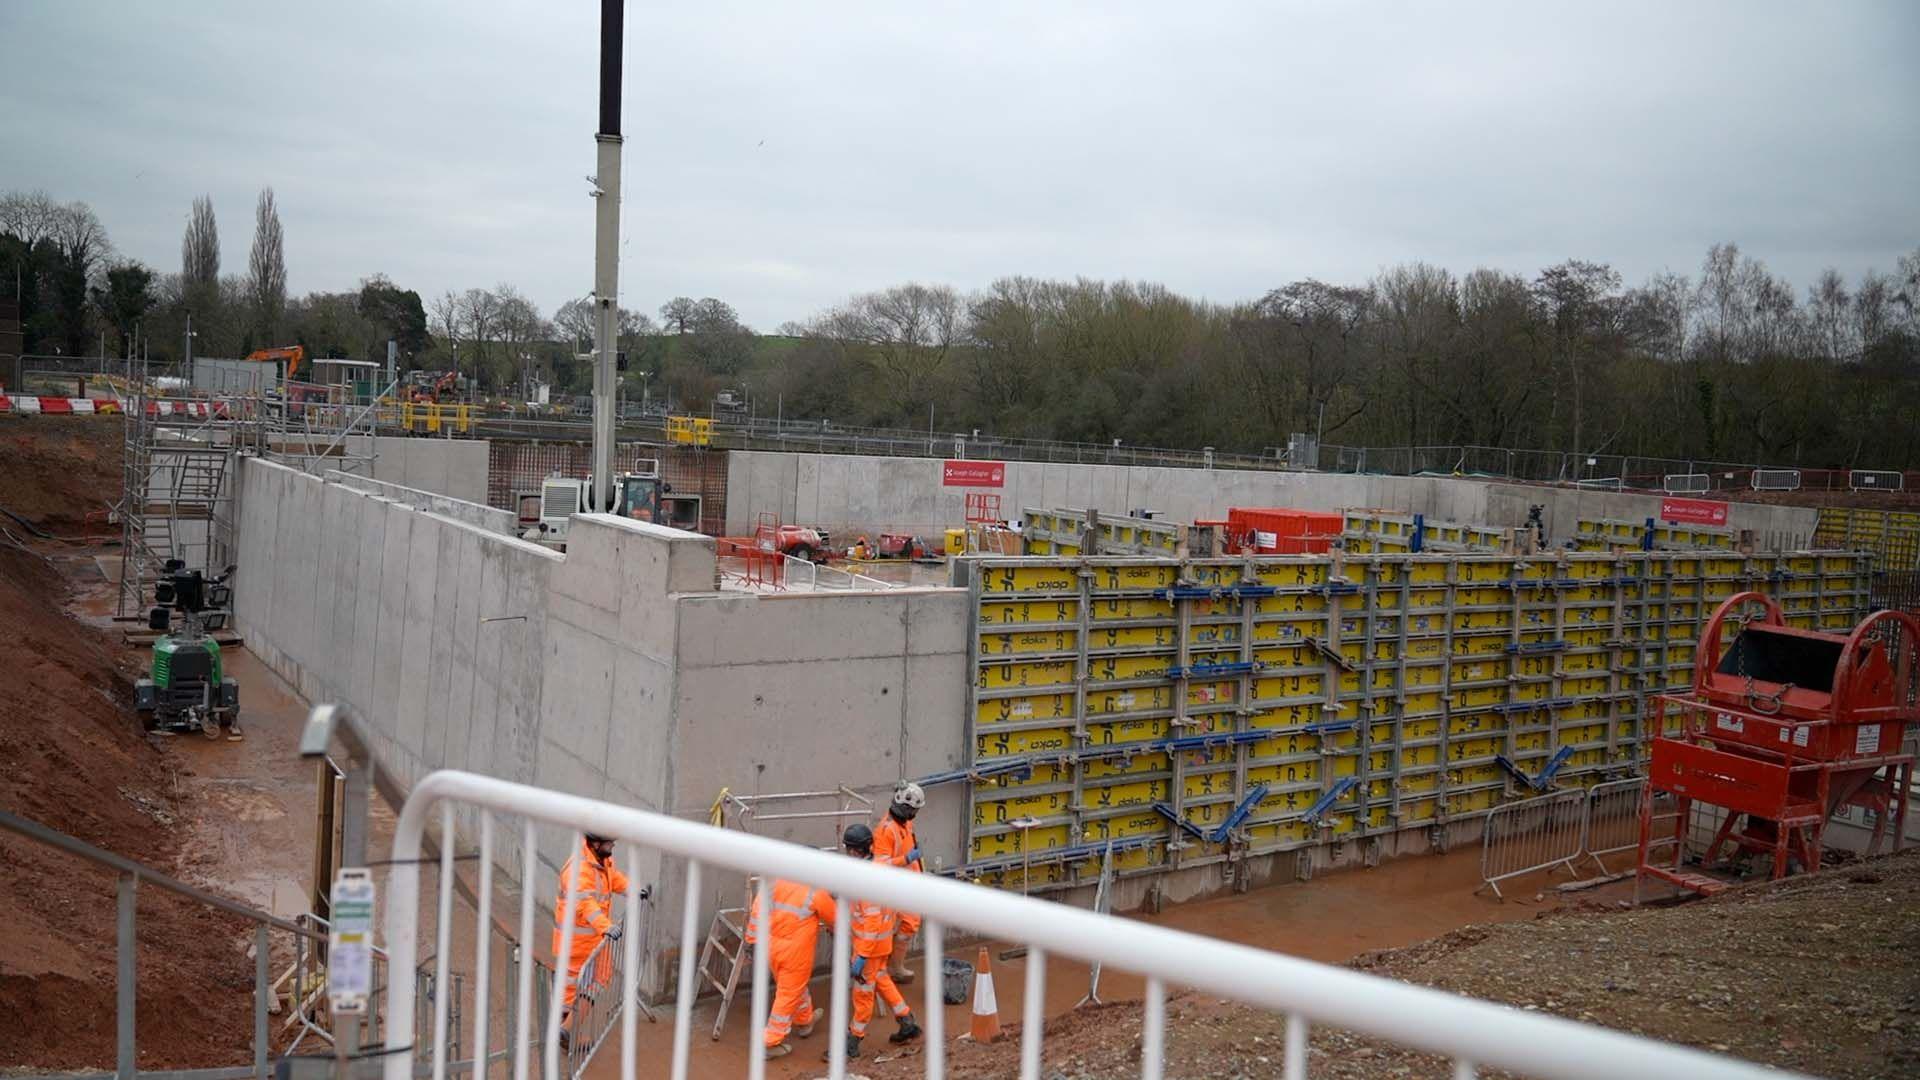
[1562, 828]
[1473, 1034]
[1613, 818]
[1523, 837]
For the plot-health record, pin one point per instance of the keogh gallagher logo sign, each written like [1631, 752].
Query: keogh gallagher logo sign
[1693, 511]
[974, 474]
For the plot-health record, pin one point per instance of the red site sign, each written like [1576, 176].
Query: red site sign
[973, 474]
[1693, 511]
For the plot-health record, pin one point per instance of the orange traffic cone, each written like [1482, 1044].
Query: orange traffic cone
[986, 1008]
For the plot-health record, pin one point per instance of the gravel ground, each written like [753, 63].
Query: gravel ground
[1812, 974]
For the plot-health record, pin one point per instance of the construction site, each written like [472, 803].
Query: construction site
[362, 727]
[1362, 719]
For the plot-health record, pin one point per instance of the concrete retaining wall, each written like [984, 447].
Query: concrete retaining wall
[485, 517]
[456, 468]
[615, 671]
[848, 494]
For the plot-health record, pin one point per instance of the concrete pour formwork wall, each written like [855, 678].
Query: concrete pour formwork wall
[848, 494]
[615, 671]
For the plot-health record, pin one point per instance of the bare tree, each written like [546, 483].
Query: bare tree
[77, 231]
[711, 316]
[267, 266]
[904, 335]
[574, 320]
[519, 327]
[28, 215]
[200, 247]
[678, 314]
[1577, 298]
[480, 309]
[1828, 308]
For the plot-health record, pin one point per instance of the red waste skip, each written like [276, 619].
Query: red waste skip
[1281, 530]
[957, 473]
[1693, 511]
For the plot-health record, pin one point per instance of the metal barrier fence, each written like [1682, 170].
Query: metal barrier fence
[1613, 819]
[1471, 1033]
[597, 1003]
[1522, 837]
[1875, 480]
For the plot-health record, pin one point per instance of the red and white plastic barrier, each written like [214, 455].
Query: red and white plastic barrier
[200, 409]
[28, 403]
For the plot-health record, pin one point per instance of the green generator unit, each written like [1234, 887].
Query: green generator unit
[186, 688]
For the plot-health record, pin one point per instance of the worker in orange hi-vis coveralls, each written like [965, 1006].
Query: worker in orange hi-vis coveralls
[598, 882]
[793, 926]
[895, 844]
[873, 928]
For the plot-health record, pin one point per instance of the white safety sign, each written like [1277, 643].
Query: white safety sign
[350, 944]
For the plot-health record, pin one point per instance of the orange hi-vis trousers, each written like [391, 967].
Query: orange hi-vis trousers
[794, 922]
[874, 977]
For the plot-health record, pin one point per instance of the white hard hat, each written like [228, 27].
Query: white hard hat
[908, 793]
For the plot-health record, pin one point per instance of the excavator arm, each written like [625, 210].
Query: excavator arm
[292, 354]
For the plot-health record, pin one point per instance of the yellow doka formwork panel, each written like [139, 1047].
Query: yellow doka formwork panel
[1192, 713]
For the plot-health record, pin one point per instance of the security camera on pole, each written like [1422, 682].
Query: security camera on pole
[606, 251]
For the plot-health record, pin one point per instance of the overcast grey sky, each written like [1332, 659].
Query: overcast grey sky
[782, 156]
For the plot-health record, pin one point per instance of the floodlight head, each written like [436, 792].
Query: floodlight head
[318, 734]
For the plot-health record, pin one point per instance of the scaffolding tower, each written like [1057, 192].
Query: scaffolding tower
[175, 501]
[180, 459]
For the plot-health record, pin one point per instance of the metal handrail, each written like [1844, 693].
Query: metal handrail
[1470, 1032]
[130, 874]
[33, 830]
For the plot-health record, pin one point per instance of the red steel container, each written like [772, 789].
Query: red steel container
[1281, 530]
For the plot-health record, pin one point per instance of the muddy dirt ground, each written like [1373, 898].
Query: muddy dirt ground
[1811, 974]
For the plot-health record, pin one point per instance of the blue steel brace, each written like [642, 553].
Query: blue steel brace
[1167, 811]
[1545, 779]
[1239, 814]
[1325, 802]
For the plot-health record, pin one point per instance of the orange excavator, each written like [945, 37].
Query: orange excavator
[432, 386]
[294, 355]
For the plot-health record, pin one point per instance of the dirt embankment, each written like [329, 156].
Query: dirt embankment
[1812, 974]
[60, 472]
[73, 758]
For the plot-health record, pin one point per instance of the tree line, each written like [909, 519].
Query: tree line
[1733, 363]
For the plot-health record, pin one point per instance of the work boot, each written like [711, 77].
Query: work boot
[853, 1049]
[909, 1030]
[779, 1049]
[233, 732]
[804, 1030]
[897, 960]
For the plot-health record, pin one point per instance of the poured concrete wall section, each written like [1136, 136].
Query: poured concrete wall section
[456, 468]
[807, 691]
[848, 494]
[615, 671]
[477, 514]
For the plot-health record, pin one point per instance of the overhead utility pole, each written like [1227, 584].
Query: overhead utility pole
[606, 252]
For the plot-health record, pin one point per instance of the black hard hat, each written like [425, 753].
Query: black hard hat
[858, 837]
[596, 838]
